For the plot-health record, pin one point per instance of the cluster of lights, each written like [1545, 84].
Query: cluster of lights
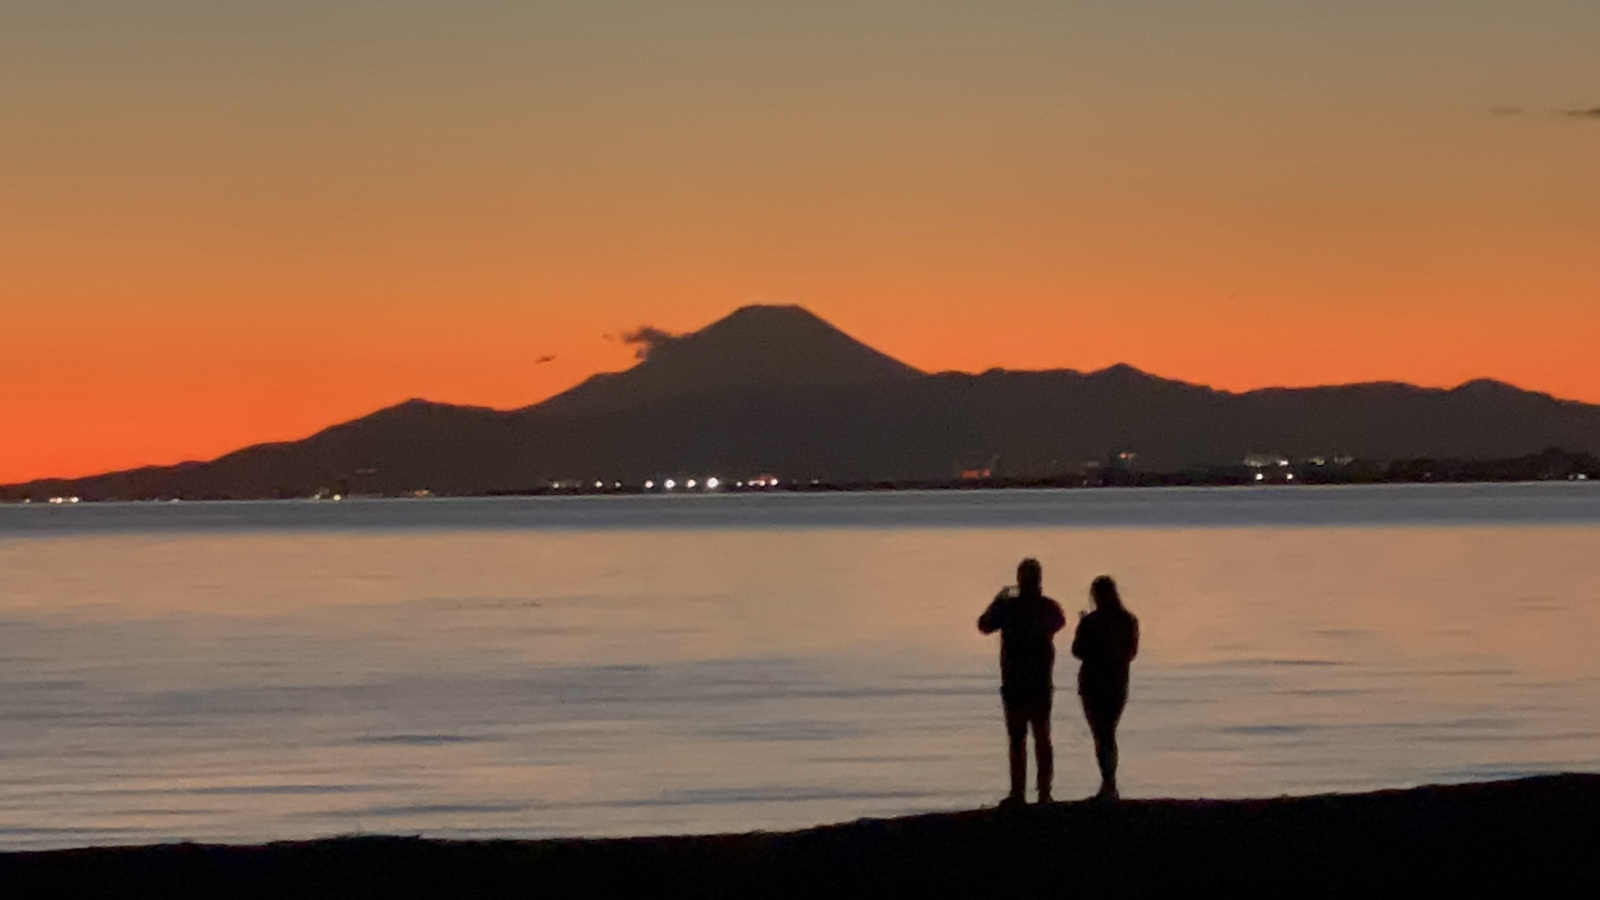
[60, 500]
[710, 483]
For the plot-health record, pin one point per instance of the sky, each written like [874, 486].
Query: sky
[224, 222]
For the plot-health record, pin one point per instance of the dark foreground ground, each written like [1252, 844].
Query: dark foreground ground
[1533, 835]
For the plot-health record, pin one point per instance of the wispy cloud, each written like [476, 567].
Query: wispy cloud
[647, 339]
[1512, 112]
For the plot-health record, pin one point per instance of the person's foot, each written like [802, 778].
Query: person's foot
[1044, 797]
[1108, 792]
[1012, 801]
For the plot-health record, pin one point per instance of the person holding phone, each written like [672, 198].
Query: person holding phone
[1027, 621]
[1107, 640]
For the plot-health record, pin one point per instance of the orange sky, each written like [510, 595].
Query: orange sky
[221, 224]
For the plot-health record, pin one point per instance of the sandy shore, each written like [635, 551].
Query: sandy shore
[1531, 834]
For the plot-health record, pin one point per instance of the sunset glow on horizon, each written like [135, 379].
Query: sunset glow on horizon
[223, 224]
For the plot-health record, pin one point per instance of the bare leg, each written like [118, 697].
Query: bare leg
[1104, 727]
[1044, 756]
[1017, 734]
[1105, 753]
[1103, 714]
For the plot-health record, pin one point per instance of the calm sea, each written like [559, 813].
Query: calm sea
[635, 665]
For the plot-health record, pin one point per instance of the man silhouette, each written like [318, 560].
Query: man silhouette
[1027, 621]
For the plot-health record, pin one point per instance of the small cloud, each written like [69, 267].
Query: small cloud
[647, 339]
[1507, 111]
[1592, 112]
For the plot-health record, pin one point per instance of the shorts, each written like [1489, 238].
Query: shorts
[1103, 707]
[1027, 703]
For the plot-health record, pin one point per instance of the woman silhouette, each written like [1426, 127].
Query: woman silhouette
[1107, 640]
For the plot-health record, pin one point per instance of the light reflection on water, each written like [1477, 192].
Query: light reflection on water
[485, 674]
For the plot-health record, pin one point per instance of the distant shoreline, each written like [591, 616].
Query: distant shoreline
[1550, 467]
[799, 490]
[1533, 833]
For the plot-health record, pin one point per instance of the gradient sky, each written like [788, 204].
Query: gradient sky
[223, 222]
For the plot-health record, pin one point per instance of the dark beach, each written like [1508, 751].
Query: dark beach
[1534, 834]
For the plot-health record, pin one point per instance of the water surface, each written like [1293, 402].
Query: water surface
[633, 665]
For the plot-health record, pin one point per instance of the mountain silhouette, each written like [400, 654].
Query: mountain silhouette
[755, 348]
[775, 389]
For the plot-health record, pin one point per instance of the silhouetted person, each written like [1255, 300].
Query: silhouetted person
[1107, 640]
[1027, 621]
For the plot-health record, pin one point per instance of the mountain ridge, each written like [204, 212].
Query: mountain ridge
[780, 390]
